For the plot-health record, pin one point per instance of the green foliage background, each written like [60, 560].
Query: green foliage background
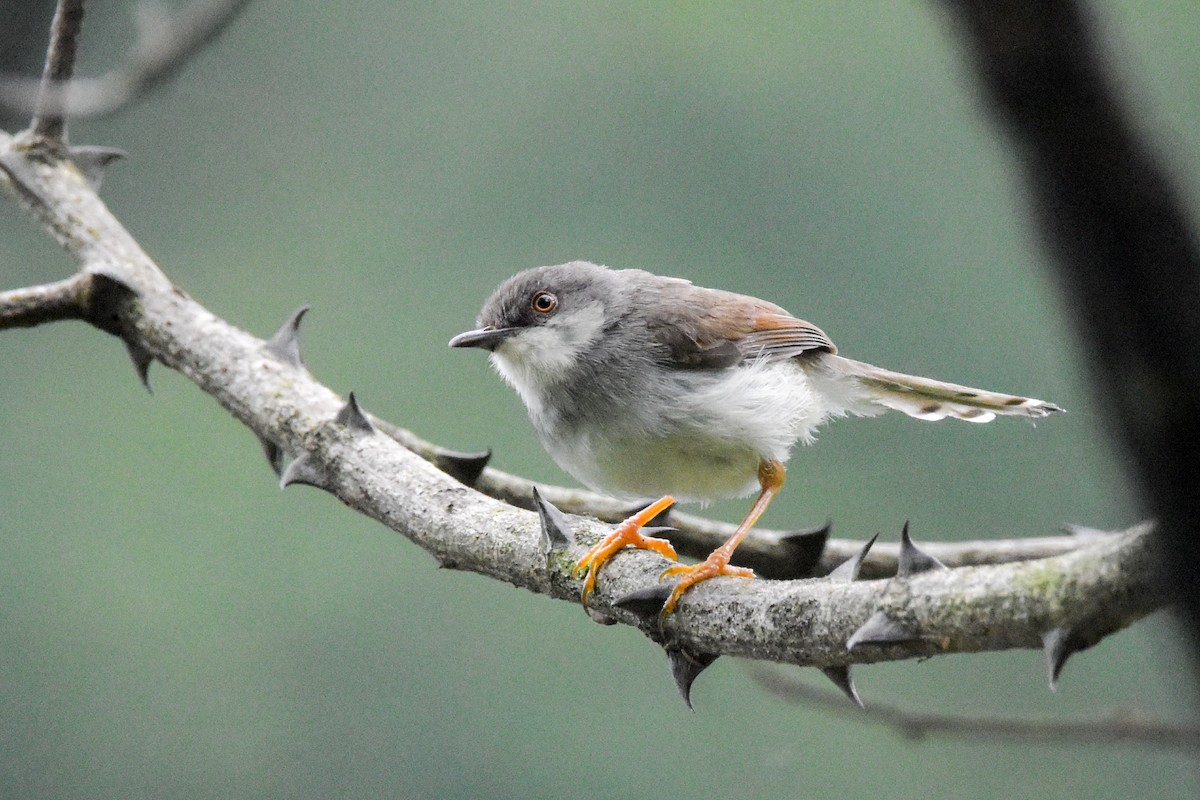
[171, 625]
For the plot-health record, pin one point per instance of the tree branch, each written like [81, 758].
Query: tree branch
[166, 41]
[1087, 593]
[1121, 238]
[51, 302]
[1117, 727]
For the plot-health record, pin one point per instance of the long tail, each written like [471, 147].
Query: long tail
[925, 398]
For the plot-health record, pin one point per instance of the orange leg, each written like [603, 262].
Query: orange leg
[627, 533]
[770, 477]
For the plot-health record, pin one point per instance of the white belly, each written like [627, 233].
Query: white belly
[703, 439]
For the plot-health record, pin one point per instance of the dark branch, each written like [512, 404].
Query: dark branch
[1122, 241]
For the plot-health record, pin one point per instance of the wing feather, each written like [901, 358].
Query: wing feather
[709, 328]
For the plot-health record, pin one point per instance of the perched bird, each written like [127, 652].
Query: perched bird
[641, 385]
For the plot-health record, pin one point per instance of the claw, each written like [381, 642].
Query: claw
[716, 564]
[627, 533]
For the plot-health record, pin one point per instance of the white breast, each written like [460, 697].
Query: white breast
[703, 436]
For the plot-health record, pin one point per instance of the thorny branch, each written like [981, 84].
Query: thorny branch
[1088, 592]
[1083, 589]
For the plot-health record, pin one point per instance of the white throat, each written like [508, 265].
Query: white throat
[539, 357]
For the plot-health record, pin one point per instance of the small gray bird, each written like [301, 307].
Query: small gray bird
[640, 385]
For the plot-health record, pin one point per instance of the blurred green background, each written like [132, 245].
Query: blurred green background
[172, 625]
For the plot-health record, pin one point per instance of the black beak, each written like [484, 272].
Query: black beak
[486, 338]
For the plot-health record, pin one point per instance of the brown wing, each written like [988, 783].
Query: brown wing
[708, 328]
[775, 335]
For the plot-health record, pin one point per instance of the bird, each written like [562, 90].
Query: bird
[641, 385]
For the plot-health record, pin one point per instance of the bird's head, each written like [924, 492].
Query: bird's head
[539, 323]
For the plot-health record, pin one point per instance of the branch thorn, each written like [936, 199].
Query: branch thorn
[799, 554]
[842, 679]
[92, 160]
[463, 467]
[647, 602]
[285, 344]
[685, 667]
[881, 629]
[351, 416]
[912, 559]
[847, 571]
[1059, 644]
[141, 358]
[556, 531]
[305, 471]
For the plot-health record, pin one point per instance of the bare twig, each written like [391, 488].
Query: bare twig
[49, 118]
[166, 42]
[51, 302]
[1118, 727]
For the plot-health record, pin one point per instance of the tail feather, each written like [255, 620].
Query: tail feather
[925, 398]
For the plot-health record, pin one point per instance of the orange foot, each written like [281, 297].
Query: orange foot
[716, 564]
[627, 533]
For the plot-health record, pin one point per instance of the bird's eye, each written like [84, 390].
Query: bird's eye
[544, 302]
